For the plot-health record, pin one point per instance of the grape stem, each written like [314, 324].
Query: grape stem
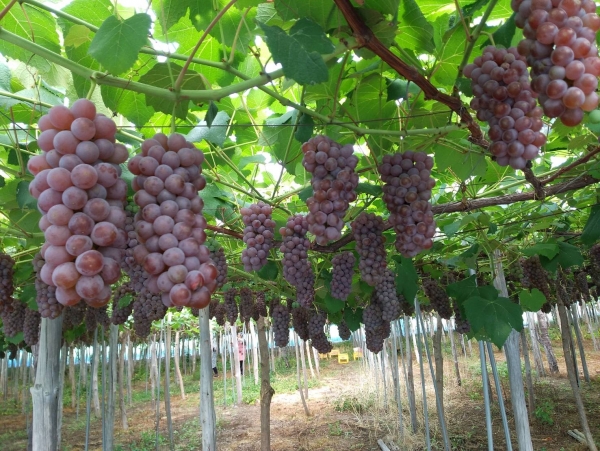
[583, 159]
[92, 89]
[7, 8]
[366, 37]
[208, 29]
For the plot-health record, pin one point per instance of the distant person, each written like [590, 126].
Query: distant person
[241, 352]
[214, 361]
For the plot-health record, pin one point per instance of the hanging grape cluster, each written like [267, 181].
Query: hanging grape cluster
[147, 307]
[218, 258]
[81, 197]
[341, 277]
[6, 279]
[280, 322]
[560, 46]
[534, 275]
[31, 327]
[246, 304]
[333, 182]
[406, 194]
[74, 315]
[461, 325]
[438, 298]
[300, 318]
[121, 314]
[231, 307]
[170, 226]
[385, 296]
[583, 286]
[135, 271]
[258, 235]
[317, 335]
[502, 96]
[45, 295]
[344, 331]
[296, 266]
[260, 307]
[367, 230]
[376, 329]
[13, 315]
[220, 314]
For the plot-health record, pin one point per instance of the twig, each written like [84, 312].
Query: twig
[366, 37]
[561, 171]
[210, 26]
[535, 182]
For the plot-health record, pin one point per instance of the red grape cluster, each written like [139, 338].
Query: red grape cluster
[260, 307]
[341, 278]
[231, 307]
[406, 193]
[74, 316]
[560, 46]
[246, 304]
[280, 322]
[296, 266]
[137, 275]
[218, 258]
[300, 318]
[503, 97]
[6, 279]
[121, 314]
[258, 235]
[102, 316]
[374, 338]
[344, 330]
[13, 315]
[385, 296]
[594, 267]
[170, 226]
[563, 286]
[367, 229]
[81, 196]
[582, 285]
[321, 343]
[334, 183]
[31, 327]
[147, 307]
[461, 325]
[438, 298]
[534, 275]
[220, 313]
[317, 335]
[45, 295]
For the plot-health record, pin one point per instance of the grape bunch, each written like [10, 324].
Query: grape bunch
[246, 304]
[385, 296]
[231, 307]
[259, 308]
[81, 196]
[296, 266]
[135, 271]
[300, 318]
[344, 330]
[534, 275]
[406, 194]
[31, 327]
[438, 298]
[280, 322]
[169, 225]
[195, 312]
[220, 313]
[13, 316]
[343, 270]
[258, 235]
[147, 307]
[121, 314]
[376, 328]
[45, 295]
[333, 182]
[461, 325]
[74, 316]
[321, 343]
[316, 323]
[582, 285]
[6, 279]
[562, 286]
[503, 97]
[102, 316]
[560, 47]
[218, 258]
[367, 230]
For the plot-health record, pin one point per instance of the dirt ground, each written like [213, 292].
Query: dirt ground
[349, 410]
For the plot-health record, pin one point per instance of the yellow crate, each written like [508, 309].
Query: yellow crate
[323, 356]
[334, 353]
[357, 354]
[343, 358]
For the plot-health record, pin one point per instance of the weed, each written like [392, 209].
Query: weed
[544, 413]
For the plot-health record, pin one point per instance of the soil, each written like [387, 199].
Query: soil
[347, 412]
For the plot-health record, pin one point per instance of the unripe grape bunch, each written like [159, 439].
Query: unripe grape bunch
[258, 235]
[560, 47]
[169, 225]
[81, 196]
[503, 97]
[367, 230]
[334, 183]
[406, 193]
[341, 280]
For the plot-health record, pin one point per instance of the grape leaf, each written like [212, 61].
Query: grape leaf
[269, 272]
[78, 35]
[333, 305]
[548, 250]
[591, 231]
[407, 280]
[131, 105]
[169, 12]
[532, 301]
[462, 290]
[415, 32]
[568, 255]
[117, 43]
[24, 199]
[125, 301]
[326, 14]
[304, 129]
[311, 36]
[353, 318]
[305, 66]
[494, 318]
[216, 133]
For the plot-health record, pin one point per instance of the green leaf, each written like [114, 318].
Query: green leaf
[463, 165]
[24, 199]
[368, 188]
[326, 14]
[28, 295]
[414, 32]
[449, 57]
[216, 133]
[304, 66]
[407, 280]
[568, 255]
[402, 89]
[353, 318]
[125, 301]
[503, 35]
[333, 305]
[463, 289]
[211, 113]
[269, 272]
[311, 36]
[78, 35]
[132, 105]
[383, 6]
[494, 318]
[532, 301]
[117, 42]
[5, 77]
[304, 131]
[548, 250]
[368, 102]
[591, 231]
[168, 12]
[160, 76]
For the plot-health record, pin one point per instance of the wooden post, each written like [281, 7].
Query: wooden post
[454, 353]
[44, 393]
[109, 424]
[168, 381]
[177, 370]
[121, 375]
[535, 345]
[255, 346]
[296, 345]
[266, 391]
[411, 381]
[531, 407]
[207, 403]
[546, 343]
